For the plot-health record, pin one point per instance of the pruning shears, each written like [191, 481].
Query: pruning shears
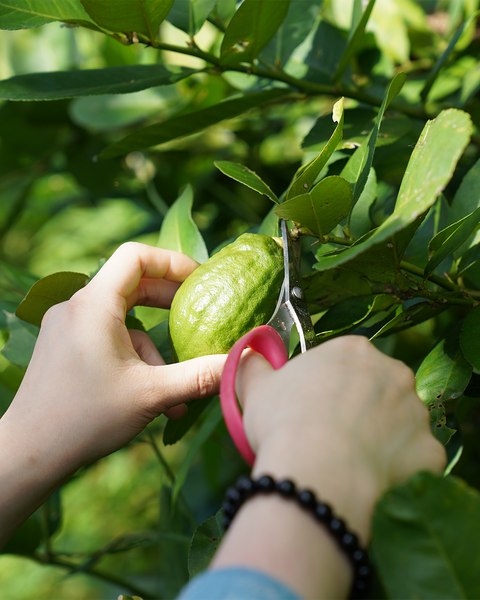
[271, 340]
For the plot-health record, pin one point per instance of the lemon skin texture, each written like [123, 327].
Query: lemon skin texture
[231, 293]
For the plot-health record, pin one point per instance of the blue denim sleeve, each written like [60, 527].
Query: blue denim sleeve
[235, 584]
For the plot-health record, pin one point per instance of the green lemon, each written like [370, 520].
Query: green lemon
[230, 294]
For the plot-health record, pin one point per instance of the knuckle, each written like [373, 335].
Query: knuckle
[54, 313]
[405, 376]
[205, 382]
[353, 344]
[128, 247]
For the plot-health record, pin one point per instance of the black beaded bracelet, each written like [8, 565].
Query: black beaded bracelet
[246, 487]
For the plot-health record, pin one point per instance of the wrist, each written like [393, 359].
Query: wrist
[332, 471]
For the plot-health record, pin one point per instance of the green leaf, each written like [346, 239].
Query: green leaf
[14, 283]
[441, 61]
[470, 339]
[269, 225]
[190, 15]
[410, 316]
[23, 14]
[251, 28]
[26, 538]
[429, 170]
[299, 22]
[132, 322]
[213, 416]
[176, 429]
[348, 314]
[179, 231]
[471, 256]
[358, 124]
[327, 288]
[426, 539]
[445, 372]
[161, 341]
[245, 176]
[448, 240]
[466, 201]
[205, 541]
[191, 122]
[354, 41]
[467, 197]
[360, 222]
[358, 167]
[142, 16]
[306, 176]
[442, 377]
[19, 348]
[47, 292]
[321, 209]
[90, 82]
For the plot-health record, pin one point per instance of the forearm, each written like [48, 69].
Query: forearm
[28, 476]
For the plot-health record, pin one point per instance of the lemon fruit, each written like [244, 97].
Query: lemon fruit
[227, 296]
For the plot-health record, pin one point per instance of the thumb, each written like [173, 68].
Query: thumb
[197, 378]
[253, 367]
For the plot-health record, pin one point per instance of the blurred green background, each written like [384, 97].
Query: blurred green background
[62, 211]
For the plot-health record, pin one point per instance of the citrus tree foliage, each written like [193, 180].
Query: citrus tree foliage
[184, 123]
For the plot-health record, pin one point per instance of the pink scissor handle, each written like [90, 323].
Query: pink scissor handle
[267, 342]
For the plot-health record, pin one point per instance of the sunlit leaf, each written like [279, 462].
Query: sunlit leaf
[190, 15]
[428, 172]
[360, 222]
[47, 292]
[358, 123]
[90, 82]
[354, 41]
[444, 373]
[247, 177]
[23, 14]
[300, 19]
[443, 58]
[358, 167]
[191, 122]
[321, 209]
[142, 16]
[251, 28]
[306, 176]
[179, 231]
[428, 528]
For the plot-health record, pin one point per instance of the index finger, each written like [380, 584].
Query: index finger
[119, 278]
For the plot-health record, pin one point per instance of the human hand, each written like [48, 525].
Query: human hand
[92, 386]
[343, 418]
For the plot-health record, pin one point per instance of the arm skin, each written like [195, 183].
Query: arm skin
[91, 385]
[342, 419]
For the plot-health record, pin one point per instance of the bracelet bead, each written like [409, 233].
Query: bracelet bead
[306, 498]
[246, 487]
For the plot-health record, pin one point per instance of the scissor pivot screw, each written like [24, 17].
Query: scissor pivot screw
[298, 292]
